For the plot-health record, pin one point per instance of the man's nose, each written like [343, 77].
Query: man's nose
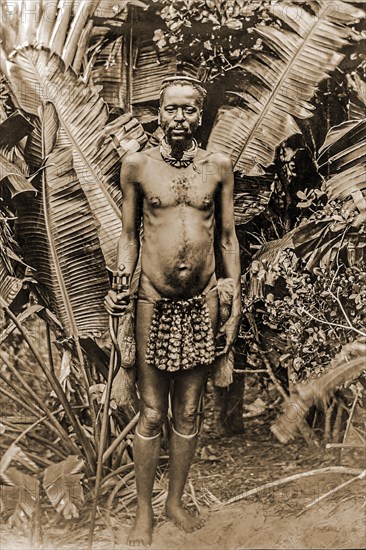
[179, 115]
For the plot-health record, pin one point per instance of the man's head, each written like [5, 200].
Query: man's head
[180, 111]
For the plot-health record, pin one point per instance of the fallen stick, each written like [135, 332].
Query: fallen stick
[194, 498]
[335, 490]
[344, 446]
[282, 481]
[113, 446]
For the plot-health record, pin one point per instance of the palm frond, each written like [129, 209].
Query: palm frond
[345, 367]
[83, 115]
[280, 80]
[60, 241]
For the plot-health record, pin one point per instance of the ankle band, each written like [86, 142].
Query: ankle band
[146, 438]
[191, 436]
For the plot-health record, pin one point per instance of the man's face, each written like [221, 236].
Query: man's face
[179, 113]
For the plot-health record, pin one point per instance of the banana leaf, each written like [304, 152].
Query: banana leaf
[9, 286]
[13, 129]
[14, 177]
[279, 81]
[58, 235]
[62, 483]
[127, 133]
[82, 15]
[10, 276]
[268, 256]
[107, 72]
[19, 497]
[357, 100]
[10, 280]
[251, 196]
[61, 27]
[45, 27]
[30, 14]
[150, 67]
[33, 153]
[345, 367]
[343, 159]
[83, 115]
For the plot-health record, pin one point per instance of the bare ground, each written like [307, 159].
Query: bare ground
[225, 467]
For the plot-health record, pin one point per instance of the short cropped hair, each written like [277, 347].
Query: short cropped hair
[184, 82]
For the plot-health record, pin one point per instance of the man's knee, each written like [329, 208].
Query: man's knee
[151, 420]
[186, 419]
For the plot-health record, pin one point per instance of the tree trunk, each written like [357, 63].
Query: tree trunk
[229, 407]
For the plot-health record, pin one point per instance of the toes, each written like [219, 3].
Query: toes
[138, 543]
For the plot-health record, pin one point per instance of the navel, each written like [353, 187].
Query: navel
[155, 201]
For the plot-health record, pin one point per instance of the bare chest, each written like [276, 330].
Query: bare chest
[175, 188]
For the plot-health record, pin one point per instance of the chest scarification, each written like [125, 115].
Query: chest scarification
[180, 191]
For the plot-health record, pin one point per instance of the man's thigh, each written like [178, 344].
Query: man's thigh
[153, 384]
[186, 396]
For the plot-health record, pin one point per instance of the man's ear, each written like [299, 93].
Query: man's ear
[159, 117]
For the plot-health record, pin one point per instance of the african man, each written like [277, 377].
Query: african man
[184, 196]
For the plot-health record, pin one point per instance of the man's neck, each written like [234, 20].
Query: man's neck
[178, 148]
[179, 155]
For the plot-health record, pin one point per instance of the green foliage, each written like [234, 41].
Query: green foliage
[314, 315]
[347, 365]
[19, 497]
[219, 33]
[62, 485]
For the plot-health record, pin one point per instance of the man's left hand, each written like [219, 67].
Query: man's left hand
[229, 331]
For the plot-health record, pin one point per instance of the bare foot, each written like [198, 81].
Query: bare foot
[182, 519]
[141, 532]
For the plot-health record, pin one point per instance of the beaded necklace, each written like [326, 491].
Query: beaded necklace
[187, 158]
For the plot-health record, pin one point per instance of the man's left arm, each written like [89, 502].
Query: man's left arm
[230, 251]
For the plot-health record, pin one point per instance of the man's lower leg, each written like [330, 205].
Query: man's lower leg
[146, 452]
[181, 453]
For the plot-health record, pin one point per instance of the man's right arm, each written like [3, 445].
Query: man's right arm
[129, 242]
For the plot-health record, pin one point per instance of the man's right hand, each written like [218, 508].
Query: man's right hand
[116, 302]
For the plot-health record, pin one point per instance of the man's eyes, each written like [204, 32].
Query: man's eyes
[188, 110]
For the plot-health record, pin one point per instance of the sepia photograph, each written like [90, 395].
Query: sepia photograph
[182, 274]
